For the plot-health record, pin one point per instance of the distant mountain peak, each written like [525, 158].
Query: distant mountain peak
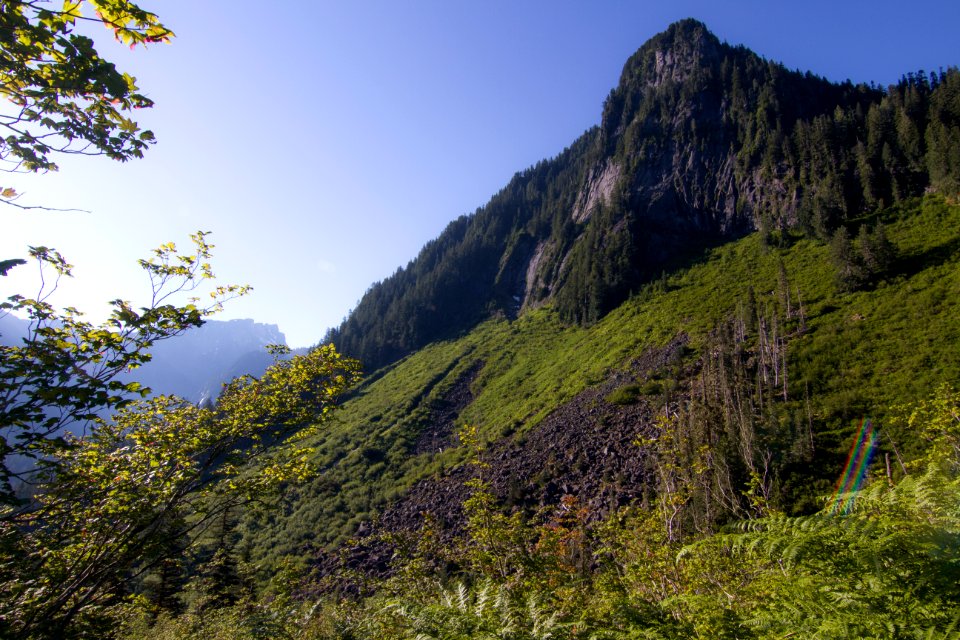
[196, 364]
[673, 54]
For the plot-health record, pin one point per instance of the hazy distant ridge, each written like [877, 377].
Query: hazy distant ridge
[193, 365]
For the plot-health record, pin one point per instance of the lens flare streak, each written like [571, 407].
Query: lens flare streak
[856, 470]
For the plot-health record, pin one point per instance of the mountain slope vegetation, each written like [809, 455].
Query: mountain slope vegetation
[640, 476]
[701, 142]
[851, 354]
[695, 377]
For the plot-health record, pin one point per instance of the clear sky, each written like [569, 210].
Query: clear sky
[323, 143]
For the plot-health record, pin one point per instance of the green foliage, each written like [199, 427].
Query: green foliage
[115, 497]
[158, 473]
[867, 261]
[851, 274]
[876, 250]
[847, 355]
[888, 568]
[67, 99]
[943, 135]
[880, 347]
[629, 393]
[64, 374]
[496, 540]
[487, 612]
[937, 420]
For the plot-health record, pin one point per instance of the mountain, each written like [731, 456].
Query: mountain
[196, 364]
[700, 143]
[707, 255]
[695, 377]
[12, 328]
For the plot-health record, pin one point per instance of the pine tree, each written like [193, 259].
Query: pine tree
[849, 272]
[876, 251]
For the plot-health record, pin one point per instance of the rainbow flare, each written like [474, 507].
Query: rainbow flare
[857, 462]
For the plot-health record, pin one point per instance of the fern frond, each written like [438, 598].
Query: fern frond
[483, 597]
[463, 599]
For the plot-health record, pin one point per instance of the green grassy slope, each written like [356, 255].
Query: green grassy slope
[861, 353]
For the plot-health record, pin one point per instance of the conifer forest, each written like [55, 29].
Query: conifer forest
[696, 376]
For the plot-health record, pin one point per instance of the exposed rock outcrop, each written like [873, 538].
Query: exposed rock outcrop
[587, 448]
[696, 146]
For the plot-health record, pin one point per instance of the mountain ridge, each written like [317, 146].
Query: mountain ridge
[700, 142]
[195, 364]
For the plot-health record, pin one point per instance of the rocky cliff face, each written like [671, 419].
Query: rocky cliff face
[687, 175]
[699, 143]
[675, 163]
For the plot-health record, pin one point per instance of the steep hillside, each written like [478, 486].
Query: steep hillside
[700, 143]
[693, 377]
[761, 344]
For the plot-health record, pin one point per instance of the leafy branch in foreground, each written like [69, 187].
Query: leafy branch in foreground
[64, 372]
[111, 498]
[159, 473]
[66, 98]
[146, 483]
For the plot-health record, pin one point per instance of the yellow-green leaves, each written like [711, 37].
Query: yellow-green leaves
[141, 486]
[131, 24]
[937, 420]
[70, 99]
[64, 373]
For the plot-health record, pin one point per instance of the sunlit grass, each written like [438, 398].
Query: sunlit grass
[862, 352]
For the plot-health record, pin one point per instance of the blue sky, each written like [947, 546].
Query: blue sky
[323, 143]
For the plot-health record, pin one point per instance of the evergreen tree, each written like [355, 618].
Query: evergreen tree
[848, 269]
[943, 134]
[876, 251]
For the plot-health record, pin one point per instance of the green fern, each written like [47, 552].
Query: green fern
[887, 569]
[488, 611]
